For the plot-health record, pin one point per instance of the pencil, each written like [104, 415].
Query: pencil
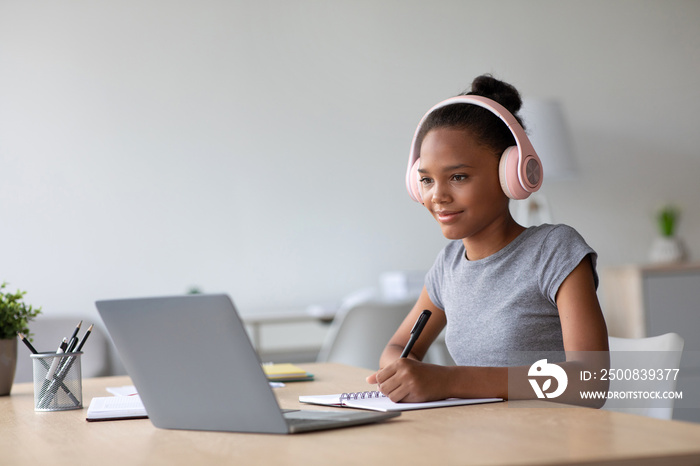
[26, 342]
[82, 342]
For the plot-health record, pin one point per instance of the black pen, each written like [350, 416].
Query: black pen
[415, 332]
[85, 337]
[74, 338]
[54, 364]
[71, 346]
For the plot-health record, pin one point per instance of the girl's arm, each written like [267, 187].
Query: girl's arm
[585, 342]
[431, 331]
[582, 323]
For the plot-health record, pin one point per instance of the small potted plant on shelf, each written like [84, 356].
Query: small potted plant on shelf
[667, 247]
[14, 317]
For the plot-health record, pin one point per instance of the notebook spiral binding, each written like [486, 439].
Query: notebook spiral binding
[361, 395]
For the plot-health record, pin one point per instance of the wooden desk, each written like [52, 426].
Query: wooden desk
[501, 433]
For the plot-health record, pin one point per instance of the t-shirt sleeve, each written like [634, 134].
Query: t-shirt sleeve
[561, 252]
[433, 280]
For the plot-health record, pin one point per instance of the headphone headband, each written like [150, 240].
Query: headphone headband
[528, 180]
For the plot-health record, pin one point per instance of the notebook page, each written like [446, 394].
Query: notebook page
[116, 407]
[384, 404]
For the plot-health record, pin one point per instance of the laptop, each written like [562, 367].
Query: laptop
[195, 368]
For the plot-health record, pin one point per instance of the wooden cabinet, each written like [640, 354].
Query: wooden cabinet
[641, 301]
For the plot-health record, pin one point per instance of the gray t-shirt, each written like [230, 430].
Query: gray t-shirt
[506, 303]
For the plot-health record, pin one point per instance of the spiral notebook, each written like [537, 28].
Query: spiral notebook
[376, 401]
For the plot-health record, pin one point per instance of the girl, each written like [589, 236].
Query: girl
[499, 289]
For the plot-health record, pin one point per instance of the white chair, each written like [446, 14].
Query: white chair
[360, 331]
[661, 352]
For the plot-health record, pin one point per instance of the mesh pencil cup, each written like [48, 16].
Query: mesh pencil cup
[57, 381]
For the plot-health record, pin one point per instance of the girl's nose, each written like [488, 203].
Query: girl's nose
[441, 193]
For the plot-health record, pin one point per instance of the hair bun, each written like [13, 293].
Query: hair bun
[502, 92]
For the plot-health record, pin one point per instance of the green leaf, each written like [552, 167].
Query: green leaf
[15, 315]
[668, 220]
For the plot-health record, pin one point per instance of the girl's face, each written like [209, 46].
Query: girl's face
[459, 183]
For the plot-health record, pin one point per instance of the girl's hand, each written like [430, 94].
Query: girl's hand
[412, 381]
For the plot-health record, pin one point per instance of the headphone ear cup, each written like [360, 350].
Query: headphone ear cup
[414, 183]
[508, 175]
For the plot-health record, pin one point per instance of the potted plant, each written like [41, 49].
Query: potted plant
[667, 247]
[14, 317]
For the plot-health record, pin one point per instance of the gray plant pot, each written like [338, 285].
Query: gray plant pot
[8, 364]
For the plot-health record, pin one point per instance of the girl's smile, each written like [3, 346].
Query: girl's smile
[447, 217]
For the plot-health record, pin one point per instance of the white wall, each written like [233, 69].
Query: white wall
[258, 148]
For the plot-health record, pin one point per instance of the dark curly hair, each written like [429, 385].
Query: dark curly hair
[486, 127]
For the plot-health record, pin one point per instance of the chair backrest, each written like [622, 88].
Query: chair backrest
[47, 334]
[361, 330]
[660, 352]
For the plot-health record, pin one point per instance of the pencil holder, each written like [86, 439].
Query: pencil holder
[57, 381]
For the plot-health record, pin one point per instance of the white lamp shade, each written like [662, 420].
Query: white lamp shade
[548, 131]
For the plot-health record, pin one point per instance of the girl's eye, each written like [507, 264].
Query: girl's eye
[425, 180]
[459, 177]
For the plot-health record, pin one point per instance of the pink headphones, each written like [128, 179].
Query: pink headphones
[520, 169]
